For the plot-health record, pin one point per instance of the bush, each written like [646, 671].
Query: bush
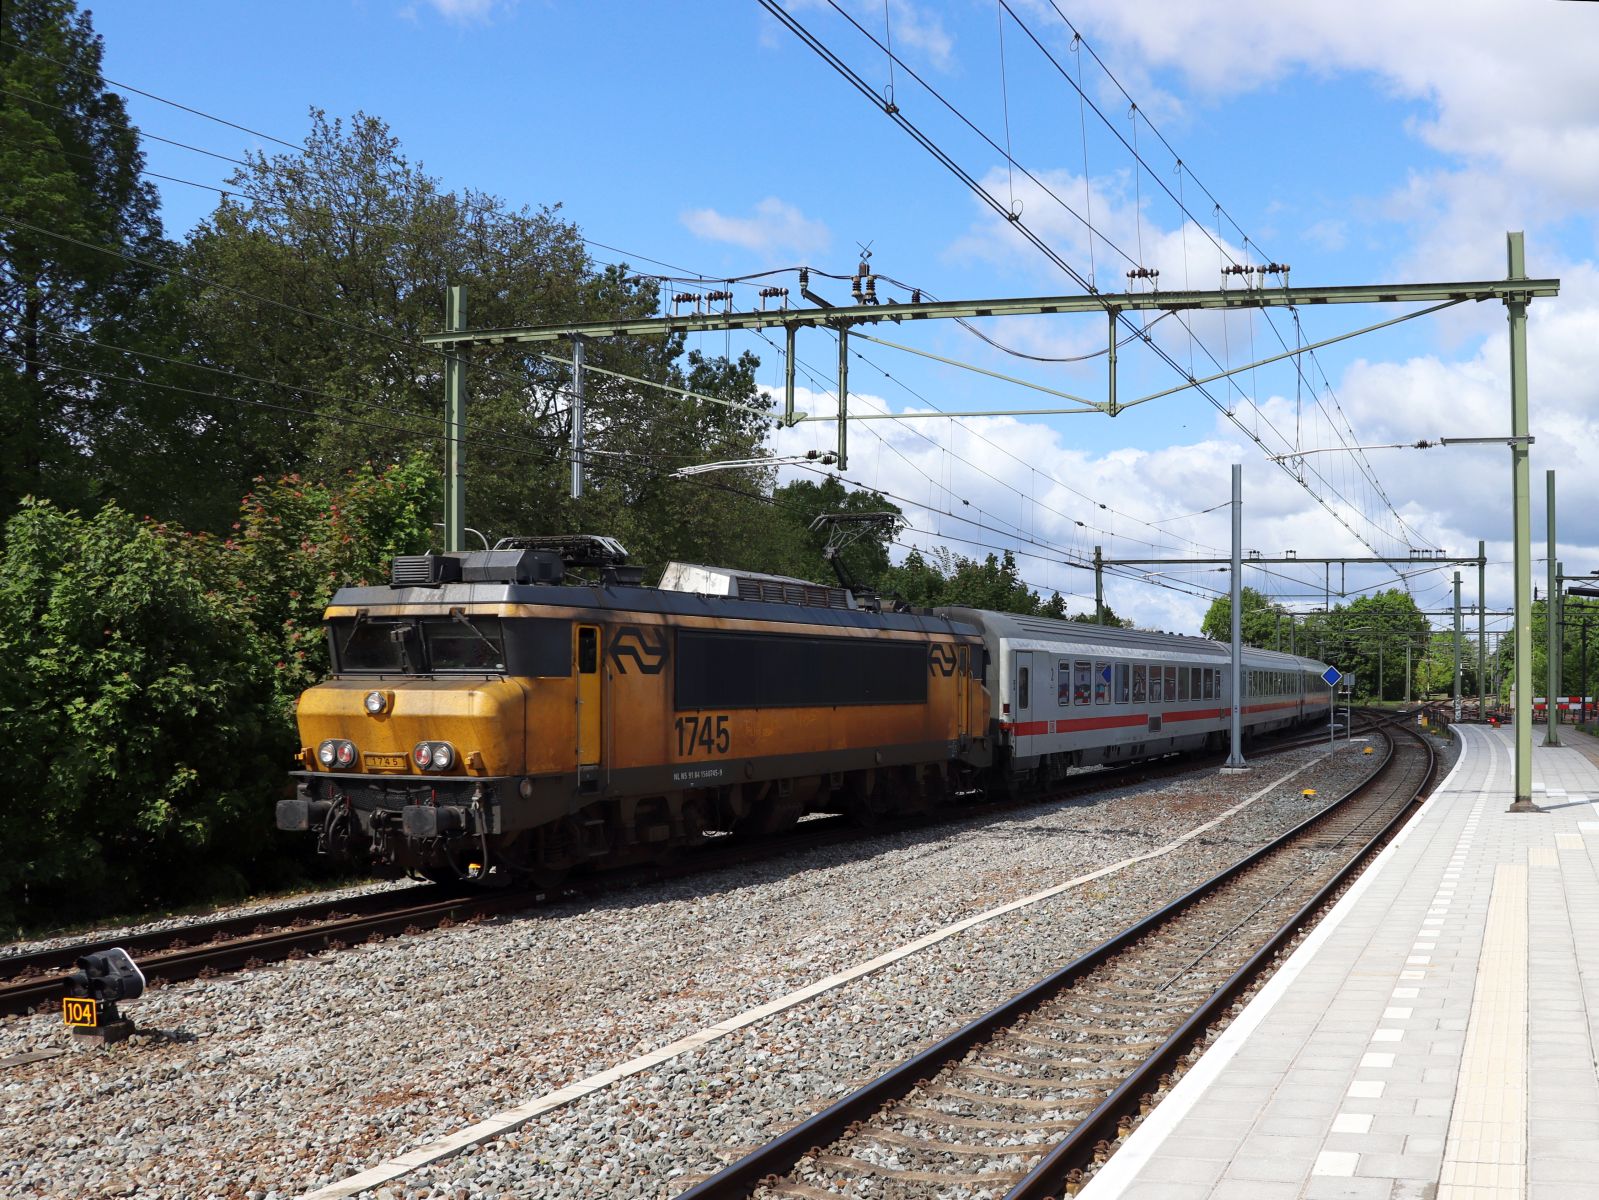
[147, 698]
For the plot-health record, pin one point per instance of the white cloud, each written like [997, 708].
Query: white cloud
[775, 226]
[466, 11]
[1509, 90]
[915, 32]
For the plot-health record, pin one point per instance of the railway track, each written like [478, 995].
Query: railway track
[33, 981]
[1023, 1101]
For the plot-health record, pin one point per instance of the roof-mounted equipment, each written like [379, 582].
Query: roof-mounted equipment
[843, 530]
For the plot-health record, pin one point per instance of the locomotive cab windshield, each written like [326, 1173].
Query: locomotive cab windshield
[460, 643]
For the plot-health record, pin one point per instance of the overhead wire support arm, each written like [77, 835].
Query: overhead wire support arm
[1390, 293]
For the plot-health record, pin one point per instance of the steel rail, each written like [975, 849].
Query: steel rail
[33, 981]
[156, 941]
[1049, 1178]
[780, 1155]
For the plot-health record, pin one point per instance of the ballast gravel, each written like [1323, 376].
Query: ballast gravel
[268, 1084]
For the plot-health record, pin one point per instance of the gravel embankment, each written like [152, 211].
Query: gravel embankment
[264, 1085]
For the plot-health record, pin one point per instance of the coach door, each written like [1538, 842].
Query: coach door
[589, 712]
[1025, 687]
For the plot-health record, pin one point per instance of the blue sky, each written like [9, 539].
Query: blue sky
[1357, 143]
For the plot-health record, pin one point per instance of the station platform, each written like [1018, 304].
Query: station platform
[1434, 1036]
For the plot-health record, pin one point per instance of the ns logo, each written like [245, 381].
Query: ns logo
[645, 648]
[941, 659]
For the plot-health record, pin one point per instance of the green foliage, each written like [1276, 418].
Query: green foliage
[70, 162]
[1258, 626]
[296, 543]
[1365, 638]
[151, 677]
[789, 547]
[947, 579]
[132, 709]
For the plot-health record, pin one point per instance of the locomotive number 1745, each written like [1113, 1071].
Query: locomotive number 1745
[702, 734]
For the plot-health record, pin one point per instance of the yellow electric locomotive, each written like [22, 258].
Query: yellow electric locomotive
[517, 713]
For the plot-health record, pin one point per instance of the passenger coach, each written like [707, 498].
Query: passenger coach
[1068, 694]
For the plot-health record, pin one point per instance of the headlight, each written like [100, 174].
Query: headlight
[325, 754]
[375, 703]
[433, 756]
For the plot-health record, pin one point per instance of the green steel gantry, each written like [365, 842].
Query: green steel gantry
[1516, 291]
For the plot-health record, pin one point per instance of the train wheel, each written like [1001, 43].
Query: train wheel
[558, 850]
[867, 806]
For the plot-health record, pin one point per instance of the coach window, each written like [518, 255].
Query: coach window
[1194, 685]
[1024, 698]
[1121, 683]
[1140, 695]
[1182, 683]
[1157, 693]
[1063, 683]
[1208, 674]
[1101, 683]
[1171, 684]
[1082, 682]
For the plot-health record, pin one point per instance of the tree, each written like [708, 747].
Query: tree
[792, 548]
[133, 712]
[1107, 618]
[1369, 635]
[150, 694]
[323, 271]
[73, 199]
[1259, 625]
[952, 580]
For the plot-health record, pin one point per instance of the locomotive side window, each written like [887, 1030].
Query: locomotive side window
[1121, 683]
[539, 646]
[588, 650]
[1101, 683]
[752, 670]
[1139, 694]
[1023, 689]
[1082, 682]
[1157, 693]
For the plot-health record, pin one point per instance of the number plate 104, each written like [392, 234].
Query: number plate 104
[702, 735]
[80, 1011]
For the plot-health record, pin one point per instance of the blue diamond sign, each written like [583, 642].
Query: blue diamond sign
[1331, 676]
[1104, 672]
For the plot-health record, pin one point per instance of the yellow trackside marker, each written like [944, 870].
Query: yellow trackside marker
[80, 1012]
[1308, 792]
[1367, 750]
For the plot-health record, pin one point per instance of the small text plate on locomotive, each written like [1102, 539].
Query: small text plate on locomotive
[385, 762]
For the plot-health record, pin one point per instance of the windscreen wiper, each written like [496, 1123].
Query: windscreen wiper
[459, 614]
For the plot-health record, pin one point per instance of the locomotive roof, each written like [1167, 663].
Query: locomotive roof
[625, 599]
[1015, 627]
